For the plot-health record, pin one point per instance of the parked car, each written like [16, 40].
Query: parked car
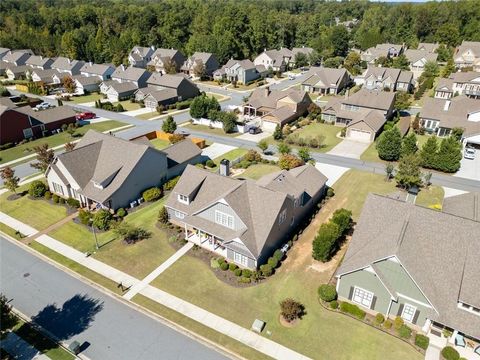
[42, 106]
[469, 153]
[254, 130]
[291, 77]
[85, 115]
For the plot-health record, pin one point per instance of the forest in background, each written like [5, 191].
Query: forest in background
[106, 30]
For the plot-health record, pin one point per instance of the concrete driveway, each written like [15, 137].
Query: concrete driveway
[470, 169]
[332, 172]
[349, 148]
[215, 150]
[255, 137]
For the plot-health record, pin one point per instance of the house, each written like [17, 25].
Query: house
[400, 263]
[117, 91]
[240, 71]
[3, 52]
[429, 47]
[104, 171]
[364, 113]
[17, 72]
[19, 123]
[324, 81]
[163, 56]
[276, 60]
[381, 50]
[275, 107]
[135, 75]
[139, 56]
[17, 57]
[101, 71]
[460, 83]
[48, 76]
[39, 62]
[4, 66]
[440, 116]
[141, 93]
[243, 220]
[386, 79]
[208, 60]
[468, 55]
[86, 84]
[418, 59]
[65, 65]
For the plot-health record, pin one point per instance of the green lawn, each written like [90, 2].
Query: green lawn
[128, 105]
[37, 213]
[431, 197]
[231, 155]
[19, 151]
[148, 116]
[138, 259]
[86, 98]
[206, 129]
[321, 334]
[160, 143]
[257, 171]
[9, 231]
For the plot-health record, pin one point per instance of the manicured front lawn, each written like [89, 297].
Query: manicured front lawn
[431, 197]
[128, 105]
[160, 143]
[87, 98]
[137, 259]
[39, 214]
[22, 150]
[206, 129]
[148, 115]
[321, 334]
[257, 171]
[231, 155]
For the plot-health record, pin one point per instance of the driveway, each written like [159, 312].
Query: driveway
[470, 169]
[255, 137]
[215, 150]
[349, 148]
[332, 172]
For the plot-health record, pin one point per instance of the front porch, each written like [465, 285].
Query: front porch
[205, 240]
[467, 347]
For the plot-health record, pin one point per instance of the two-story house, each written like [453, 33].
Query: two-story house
[468, 55]
[48, 76]
[244, 221]
[139, 56]
[162, 57]
[275, 107]
[67, 66]
[101, 71]
[382, 50]
[17, 57]
[240, 71]
[399, 263]
[198, 60]
[417, 60]
[135, 75]
[39, 62]
[276, 60]
[325, 81]
[460, 83]
[364, 113]
[386, 79]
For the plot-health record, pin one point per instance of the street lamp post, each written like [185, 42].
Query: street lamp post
[94, 234]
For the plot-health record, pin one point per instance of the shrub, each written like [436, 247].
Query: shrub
[121, 212]
[449, 353]
[55, 198]
[224, 266]
[343, 218]
[252, 156]
[47, 195]
[405, 332]
[324, 244]
[214, 263]
[334, 304]
[289, 161]
[273, 262]
[232, 267]
[84, 216]
[244, 280]
[170, 184]
[119, 108]
[291, 309]
[152, 194]
[278, 255]
[37, 189]
[352, 310]
[246, 273]
[129, 233]
[379, 319]
[210, 163]
[175, 138]
[387, 324]
[61, 200]
[397, 323]
[330, 192]
[74, 203]
[422, 341]
[101, 219]
[163, 215]
[389, 144]
[237, 272]
[266, 270]
[327, 292]
[221, 260]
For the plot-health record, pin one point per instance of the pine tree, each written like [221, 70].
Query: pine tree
[428, 154]
[169, 125]
[409, 144]
[278, 134]
[389, 144]
[408, 173]
[449, 155]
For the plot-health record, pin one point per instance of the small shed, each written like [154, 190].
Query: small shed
[258, 326]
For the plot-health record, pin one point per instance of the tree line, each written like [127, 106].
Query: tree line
[106, 30]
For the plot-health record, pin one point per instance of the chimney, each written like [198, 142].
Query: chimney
[446, 106]
[122, 67]
[225, 167]
[152, 47]
[90, 63]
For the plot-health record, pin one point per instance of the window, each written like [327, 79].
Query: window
[241, 259]
[58, 188]
[27, 133]
[282, 217]
[179, 214]
[183, 199]
[408, 312]
[224, 219]
[362, 297]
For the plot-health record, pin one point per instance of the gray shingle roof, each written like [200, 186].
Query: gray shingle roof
[414, 55]
[464, 205]
[97, 69]
[87, 80]
[123, 87]
[329, 77]
[63, 63]
[439, 251]
[49, 115]
[130, 73]
[181, 152]
[35, 60]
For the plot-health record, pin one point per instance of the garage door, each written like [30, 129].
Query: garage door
[473, 141]
[359, 135]
[269, 126]
[112, 97]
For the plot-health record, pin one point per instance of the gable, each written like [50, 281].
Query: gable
[223, 207]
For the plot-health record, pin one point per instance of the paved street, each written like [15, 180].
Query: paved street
[74, 310]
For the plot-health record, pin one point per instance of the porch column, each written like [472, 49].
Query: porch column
[186, 231]
[451, 340]
[427, 325]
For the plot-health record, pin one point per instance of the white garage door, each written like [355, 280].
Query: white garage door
[269, 126]
[473, 140]
[112, 97]
[358, 135]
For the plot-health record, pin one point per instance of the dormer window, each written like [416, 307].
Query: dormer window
[183, 199]
[224, 219]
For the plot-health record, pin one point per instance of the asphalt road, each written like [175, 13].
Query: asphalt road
[73, 310]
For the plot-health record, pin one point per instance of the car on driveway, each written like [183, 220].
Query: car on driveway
[469, 153]
[254, 130]
[42, 106]
[85, 115]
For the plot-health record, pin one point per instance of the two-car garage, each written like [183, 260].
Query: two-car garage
[360, 135]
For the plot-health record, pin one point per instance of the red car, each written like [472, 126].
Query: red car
[85, 115]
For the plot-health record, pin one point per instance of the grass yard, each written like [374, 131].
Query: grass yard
[431, 197]
[128, 105]
[9, 231]
[37, 213]
[231, 155]
[160, 143]
[148, 116]
[22, 150]
[320, 334]
[87, 98]
[138, 259]
[208, 130]
[257, 171]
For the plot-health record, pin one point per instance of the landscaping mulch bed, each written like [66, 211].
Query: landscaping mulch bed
[287, 324]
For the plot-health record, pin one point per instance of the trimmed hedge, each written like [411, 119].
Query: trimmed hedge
[387, 324]
[224, 266]
[327, 292]
[266, 270]
[247, 273]
[152, 194]
[379, 319]
[121, 212]
[405, 332]
[74, 203]
[449, 353]
[352, 310]
[47, 195]
[422, 341]
[334, 304]
[237, 272]
[37, 189]
[232, 267]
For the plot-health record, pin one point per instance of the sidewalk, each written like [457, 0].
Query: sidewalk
[17, 225]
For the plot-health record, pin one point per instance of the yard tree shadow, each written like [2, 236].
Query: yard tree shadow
[72, 318]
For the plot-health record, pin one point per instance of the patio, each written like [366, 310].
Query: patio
[205, 240]
[464, 345]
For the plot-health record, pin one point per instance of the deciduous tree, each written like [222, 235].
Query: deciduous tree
[10, 181]
[45, 157]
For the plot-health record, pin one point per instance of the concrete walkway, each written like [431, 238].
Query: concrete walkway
[432, 353]
[49, 229]
[155, 273]
[17, 225]
[215, 150]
